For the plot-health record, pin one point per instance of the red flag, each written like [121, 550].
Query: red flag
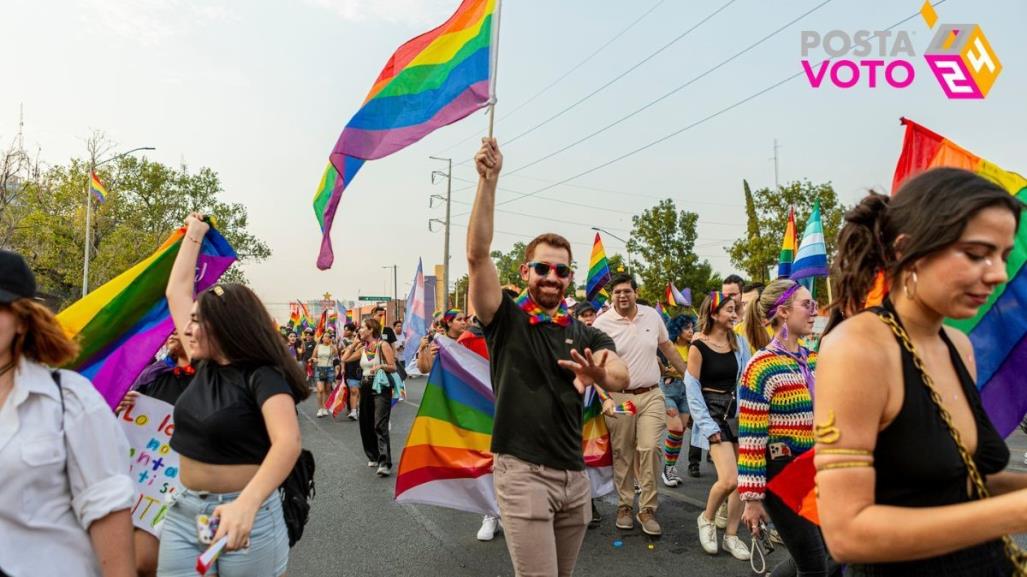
[796, 486]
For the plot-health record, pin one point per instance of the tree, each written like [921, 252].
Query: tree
[509, 264]
[759, 249]
[665, 239]
[458, 298]
[146, 202]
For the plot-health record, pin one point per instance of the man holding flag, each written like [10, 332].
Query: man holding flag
[542, 361]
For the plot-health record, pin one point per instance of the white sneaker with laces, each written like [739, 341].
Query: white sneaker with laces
[489, 525]
[707, 534]
[352, 415]
[721, 517]
[735, 546]
[670, 476]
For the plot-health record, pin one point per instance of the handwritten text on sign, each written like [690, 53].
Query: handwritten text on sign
[153, 465]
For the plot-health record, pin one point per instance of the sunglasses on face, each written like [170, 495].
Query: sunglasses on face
[543, 268]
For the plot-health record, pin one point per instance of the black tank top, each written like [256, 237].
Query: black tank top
[719, 371]
[917, 465]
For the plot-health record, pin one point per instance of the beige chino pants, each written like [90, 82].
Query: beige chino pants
[638, 436]
[545, 514]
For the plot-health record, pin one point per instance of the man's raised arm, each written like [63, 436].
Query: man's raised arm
[484, 290]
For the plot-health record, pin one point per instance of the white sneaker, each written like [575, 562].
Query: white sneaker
[321, 413]
[384, 471]
[670, 476]
[489, 525]
[735, 546]
[372, 463]
[352, 415]
[707, 534]
[721, 517]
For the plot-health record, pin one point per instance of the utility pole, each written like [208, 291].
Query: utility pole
[449, 195]
[777, 183]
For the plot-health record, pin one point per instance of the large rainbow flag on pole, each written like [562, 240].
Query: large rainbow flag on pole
[431, 81]
[999, 331]
[598, 275]
[447, 459]
[121, 325]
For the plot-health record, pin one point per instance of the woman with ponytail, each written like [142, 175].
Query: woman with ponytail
[776, 417]
[715, 363]
[911, 471]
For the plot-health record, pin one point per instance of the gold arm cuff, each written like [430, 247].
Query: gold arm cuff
[845, 465]
[849, 452]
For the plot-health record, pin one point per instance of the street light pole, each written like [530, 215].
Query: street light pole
[93, 165]
[449, 196]
[631, 266]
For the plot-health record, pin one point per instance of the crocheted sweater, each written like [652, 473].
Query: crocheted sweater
[775, 406]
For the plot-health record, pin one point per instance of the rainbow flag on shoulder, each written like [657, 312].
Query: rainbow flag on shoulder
[431, 81]
[121, 325]
[447, 459]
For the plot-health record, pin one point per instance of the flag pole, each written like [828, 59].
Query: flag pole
[494, 65]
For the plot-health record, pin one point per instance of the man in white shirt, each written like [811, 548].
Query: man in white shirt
[638, 331]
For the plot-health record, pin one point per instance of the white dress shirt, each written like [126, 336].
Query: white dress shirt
[54, 484]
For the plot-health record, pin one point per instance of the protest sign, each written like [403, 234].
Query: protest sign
[153, 465]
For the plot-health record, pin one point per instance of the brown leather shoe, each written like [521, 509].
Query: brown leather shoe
[624, 520]
[647, 518]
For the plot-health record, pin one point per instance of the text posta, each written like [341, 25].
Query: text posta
[846, 66]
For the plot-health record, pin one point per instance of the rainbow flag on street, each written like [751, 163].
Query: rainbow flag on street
[788, 246]
[121, 325]
[447, 459]
[97, 188]
[598, 275]
[432, 80]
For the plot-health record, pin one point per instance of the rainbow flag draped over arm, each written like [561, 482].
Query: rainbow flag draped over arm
[598, 275]
[788, 246]
[431, 81]
[999, 331]
[121, 325]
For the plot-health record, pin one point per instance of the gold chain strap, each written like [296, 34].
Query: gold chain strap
[1016, 555]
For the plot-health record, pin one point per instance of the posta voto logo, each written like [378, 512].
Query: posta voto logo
[960, 56]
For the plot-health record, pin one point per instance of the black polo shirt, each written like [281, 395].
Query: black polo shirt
[538, 410]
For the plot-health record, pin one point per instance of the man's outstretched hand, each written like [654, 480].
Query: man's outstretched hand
[488, 161]
[588, 369]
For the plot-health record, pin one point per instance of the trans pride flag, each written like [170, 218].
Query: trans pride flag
[431, 81]
[121, 325]
[447, 459]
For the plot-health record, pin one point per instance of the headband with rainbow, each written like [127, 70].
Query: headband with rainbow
[717, 300]
[450, 315]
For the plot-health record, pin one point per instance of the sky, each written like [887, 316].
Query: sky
[260, 90]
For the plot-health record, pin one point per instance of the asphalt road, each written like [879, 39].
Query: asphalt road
[356, 528]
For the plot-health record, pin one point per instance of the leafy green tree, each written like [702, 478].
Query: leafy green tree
[767, 213]
[509, 264]
[665, 239]
[146, 202]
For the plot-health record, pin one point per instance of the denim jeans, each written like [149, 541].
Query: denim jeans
[267, 555]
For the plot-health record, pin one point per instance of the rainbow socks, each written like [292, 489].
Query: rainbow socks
[672, 447]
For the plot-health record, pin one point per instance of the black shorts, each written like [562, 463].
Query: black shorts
[723, 409]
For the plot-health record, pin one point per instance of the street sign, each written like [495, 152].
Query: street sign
[375, 299]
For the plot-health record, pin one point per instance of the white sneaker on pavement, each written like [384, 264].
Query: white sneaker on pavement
[352, 415]
[707, 534]
[735, 546]
[489, 526]
[670, 476]
[372, 463]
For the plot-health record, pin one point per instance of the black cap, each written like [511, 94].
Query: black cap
[582, 308]
[16, 278]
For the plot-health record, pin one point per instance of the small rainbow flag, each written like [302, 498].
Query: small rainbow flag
[431, 81]
[598, 275]
[663, 313]
[96, 187]
[121, 325]
[306, 320]
[674, 297]
[788, 246]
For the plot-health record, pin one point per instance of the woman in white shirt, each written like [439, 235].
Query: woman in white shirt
[65, 493]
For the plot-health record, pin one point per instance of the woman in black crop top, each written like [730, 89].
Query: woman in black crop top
[236, 429]
[895, 497]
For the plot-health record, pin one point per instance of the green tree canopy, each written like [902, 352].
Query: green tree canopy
[664, 238]
[767, 213]
[146, 202]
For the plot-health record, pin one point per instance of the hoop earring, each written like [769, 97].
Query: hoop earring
[905, 286]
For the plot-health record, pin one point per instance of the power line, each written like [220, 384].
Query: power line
[692, 125]
[561, 78]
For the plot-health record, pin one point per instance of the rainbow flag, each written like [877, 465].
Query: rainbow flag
[121, 325]
[447, 459]
[999, 331]
[811, 258]
[294, 316]
[663, 313]
[431, 81]
[674, 297]
[306, 320]
[96, 187]
[336, 401]
[788, 246]
[349, 316]
[598, 275]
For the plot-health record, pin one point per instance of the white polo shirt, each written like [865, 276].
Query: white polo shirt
[637, 341]
[54, 483]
